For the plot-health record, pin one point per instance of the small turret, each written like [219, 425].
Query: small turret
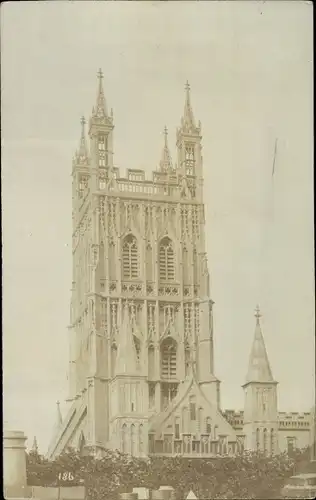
[165, 162]
[100, 109]
[190, 161]
[82, 155]
[260, 410]
[101, 131]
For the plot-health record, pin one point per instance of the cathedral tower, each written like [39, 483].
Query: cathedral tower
[141, 310]
[260, 412]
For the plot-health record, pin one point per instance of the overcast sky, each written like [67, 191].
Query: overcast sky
[250, 69]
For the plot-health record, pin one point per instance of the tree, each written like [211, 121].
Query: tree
[247, 476]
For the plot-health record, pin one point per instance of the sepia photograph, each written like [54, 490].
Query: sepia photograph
[158, 250]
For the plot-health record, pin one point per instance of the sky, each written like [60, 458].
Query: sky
[250, 68]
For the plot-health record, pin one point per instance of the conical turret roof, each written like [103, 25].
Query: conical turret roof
[259, 369]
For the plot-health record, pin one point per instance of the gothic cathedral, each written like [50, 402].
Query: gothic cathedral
[141, 368]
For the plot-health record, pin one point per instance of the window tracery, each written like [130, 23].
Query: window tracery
[166, 260]
[130, 261]
[168, 358]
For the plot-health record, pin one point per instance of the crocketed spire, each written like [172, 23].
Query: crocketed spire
[82, 155]
[100, 109]
[165, 162]
[259, 367]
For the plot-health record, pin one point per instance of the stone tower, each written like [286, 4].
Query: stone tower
[260, 411]
[141, 311]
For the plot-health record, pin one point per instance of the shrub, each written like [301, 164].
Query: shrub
[248, 476]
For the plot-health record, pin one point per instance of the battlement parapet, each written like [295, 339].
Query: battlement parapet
[294, 420]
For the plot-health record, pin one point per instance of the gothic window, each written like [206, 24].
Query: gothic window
[195, 221]
[166, 260]
[101, 143]
[124, 438]
[272, 442]
[102, 149]
[168, 359]
[189, 159]
[133, 440]
[187, 321]
[130, 257]
[192, 409]
[265, 441]
[141, 438]
[122, 399]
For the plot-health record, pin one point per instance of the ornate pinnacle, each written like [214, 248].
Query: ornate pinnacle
[257, 313]
[100, 74]
[165, 131]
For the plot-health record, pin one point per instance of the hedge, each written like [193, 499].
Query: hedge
[248, 476]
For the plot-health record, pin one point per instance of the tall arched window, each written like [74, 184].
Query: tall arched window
[265, 441]
[141, 439]
[166, 260]
[124, 438]
[168, 358]
[272, 442]
[133, 440]
[130, 258]
[189, 159]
